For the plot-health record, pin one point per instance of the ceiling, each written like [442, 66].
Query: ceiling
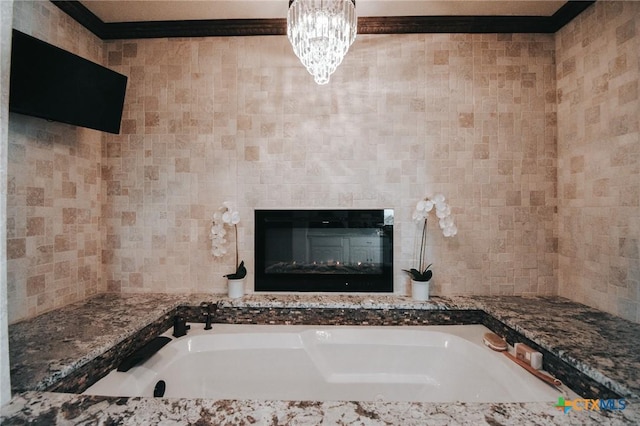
[110, 11]
[116, 19]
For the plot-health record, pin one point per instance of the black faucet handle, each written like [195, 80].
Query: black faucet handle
[208, 314]
[180, 326]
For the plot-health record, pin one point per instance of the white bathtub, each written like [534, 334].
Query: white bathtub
[330, 363]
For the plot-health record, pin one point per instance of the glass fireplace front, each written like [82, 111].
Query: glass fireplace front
[324, 250]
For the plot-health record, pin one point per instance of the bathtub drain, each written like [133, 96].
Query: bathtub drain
[158, 390]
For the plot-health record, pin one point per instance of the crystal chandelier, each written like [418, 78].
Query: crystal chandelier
[321, 32]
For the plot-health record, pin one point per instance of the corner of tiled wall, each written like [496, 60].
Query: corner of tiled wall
[53, 189]
[598, 75]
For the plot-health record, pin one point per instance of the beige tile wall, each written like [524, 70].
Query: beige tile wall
[208, 120]
[239, 119]
[53, 189]
[598, 76]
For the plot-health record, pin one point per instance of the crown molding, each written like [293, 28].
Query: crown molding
[366, 25]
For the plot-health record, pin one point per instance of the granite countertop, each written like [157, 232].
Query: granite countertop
[48, 347]
[58, 408]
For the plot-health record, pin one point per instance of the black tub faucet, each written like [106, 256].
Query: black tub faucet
[206, 311]
[180, 326]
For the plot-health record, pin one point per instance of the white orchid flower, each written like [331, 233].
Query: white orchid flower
[443, 213]
[424, 205]
[235, 218]
[225, 216]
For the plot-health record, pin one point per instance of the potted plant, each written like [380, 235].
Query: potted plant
[226, 216]
[421, 275]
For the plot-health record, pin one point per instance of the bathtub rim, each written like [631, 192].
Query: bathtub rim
[83, 373]
[464, 337]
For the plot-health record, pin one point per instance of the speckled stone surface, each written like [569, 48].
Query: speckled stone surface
[54, 345]
[604, 347]
[51, 346]
[64, 409]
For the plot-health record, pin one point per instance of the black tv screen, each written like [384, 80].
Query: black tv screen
[348, 251]
[51, 83]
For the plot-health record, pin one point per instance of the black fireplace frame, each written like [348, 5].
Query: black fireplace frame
[381, 282]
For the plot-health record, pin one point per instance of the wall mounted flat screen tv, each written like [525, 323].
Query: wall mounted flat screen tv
[51, 83]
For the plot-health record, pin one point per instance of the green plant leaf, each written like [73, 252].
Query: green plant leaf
[240, 273]
[419, 276]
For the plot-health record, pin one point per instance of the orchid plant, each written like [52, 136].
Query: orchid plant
[448, 227]
[226, 216]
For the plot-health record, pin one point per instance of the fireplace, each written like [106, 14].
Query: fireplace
[324, 250]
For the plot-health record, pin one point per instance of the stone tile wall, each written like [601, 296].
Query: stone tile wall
[598, 74]
[53, 189]
[239, 119]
